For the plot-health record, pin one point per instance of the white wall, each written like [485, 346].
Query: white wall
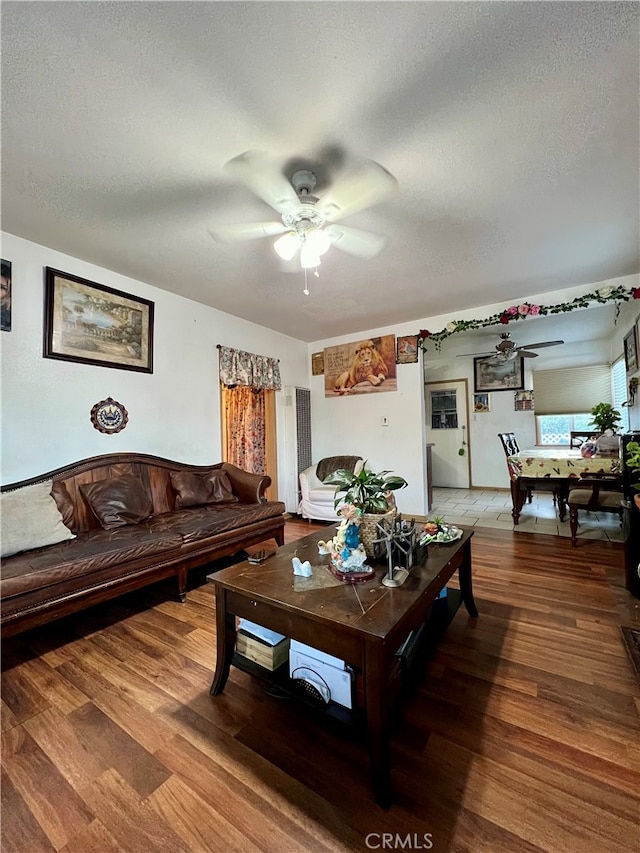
[173, 412]
[628, 317]
[352, 424]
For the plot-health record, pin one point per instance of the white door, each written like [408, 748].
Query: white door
[446, 407]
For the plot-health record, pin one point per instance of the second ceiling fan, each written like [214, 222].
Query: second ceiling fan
[507, 349]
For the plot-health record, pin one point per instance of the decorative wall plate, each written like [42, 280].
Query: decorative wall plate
[109, 416]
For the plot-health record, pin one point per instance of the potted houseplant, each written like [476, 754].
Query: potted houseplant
[370, 493]
[604, 417]
[632, 462]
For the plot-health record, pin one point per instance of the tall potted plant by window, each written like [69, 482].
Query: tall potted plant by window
[604, 417]
[606, 420]
[371, 494]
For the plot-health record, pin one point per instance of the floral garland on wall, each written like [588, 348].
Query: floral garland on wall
[526, 309]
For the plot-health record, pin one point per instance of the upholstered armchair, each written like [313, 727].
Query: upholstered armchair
[317, 499]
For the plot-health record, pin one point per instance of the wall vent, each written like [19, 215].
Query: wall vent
[298, 441]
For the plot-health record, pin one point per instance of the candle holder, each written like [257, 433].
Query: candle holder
[399, 543]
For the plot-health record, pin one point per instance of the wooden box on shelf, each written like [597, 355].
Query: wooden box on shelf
[269, 656]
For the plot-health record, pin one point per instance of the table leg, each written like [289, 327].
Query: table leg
[518, 494]
[225, 642]
[563, 496]
[377, 715]
[464, 576]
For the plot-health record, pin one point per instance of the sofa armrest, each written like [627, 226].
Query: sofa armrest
[249, 488]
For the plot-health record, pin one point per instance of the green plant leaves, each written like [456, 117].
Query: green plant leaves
[366, 490]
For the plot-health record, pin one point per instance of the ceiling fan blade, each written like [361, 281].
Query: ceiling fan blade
[355, 241]
[522, 353]
[466, 354]
[543, 344]
[263, 177]
[246, 231]
[362, 188]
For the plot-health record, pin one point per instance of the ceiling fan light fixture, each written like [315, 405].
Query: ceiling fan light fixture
[287, 245]
[318, 241]
[309, 258]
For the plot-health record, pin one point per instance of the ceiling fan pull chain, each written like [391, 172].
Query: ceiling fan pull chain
[306, 286]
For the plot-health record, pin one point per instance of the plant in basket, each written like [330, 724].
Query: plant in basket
[371, 494]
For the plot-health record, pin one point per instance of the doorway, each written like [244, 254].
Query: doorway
[249, 431]
[447, 428]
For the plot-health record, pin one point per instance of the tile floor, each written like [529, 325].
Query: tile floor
[489, 508]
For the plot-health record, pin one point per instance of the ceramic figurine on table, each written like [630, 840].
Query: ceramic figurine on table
[348, 554]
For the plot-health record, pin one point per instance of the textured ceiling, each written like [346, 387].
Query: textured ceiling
[512, 129]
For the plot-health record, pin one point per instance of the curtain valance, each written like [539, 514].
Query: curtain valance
[246, 368]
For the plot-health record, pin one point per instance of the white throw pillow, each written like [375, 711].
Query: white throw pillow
[30, 518]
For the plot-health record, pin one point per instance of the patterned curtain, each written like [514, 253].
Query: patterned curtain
[245, 368]
[244, 410]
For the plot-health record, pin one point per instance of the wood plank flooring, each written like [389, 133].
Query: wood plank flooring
[523, 733]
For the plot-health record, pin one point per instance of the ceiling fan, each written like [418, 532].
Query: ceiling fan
[507, 350]
[307, 223]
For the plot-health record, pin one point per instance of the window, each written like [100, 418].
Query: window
[444, 413]
[619, 380]
[556, 429]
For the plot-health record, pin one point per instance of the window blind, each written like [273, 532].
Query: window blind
[619, 375]
[571, 390]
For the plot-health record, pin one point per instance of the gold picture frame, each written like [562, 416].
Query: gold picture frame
[317, 364]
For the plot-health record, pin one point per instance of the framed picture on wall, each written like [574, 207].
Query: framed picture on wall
[93, 324]
[631, 350]
[523, 401]
[489, 374]
[481, 403]
[407, 349]
[317, 363]
[5, 299]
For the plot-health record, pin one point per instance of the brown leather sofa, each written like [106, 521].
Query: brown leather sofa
[175, 518]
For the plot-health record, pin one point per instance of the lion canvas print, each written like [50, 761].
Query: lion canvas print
[361, 367]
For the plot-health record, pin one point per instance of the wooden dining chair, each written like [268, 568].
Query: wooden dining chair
[593, 492]
[511, 447]
[577, 438]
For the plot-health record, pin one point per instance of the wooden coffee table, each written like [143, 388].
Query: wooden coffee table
[363, 624]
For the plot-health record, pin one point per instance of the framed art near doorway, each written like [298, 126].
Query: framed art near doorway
[492, 375]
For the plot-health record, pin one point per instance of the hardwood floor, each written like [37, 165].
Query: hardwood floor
[522, 735]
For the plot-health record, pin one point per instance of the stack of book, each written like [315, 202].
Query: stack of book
[262, 646]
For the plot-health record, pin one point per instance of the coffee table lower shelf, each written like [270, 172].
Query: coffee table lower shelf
[280, 678]
[411, 657]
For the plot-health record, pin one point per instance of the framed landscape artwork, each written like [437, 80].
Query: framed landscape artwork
[489, 374]
[92, 324]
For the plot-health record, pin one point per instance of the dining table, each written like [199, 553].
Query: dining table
[556, 464]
